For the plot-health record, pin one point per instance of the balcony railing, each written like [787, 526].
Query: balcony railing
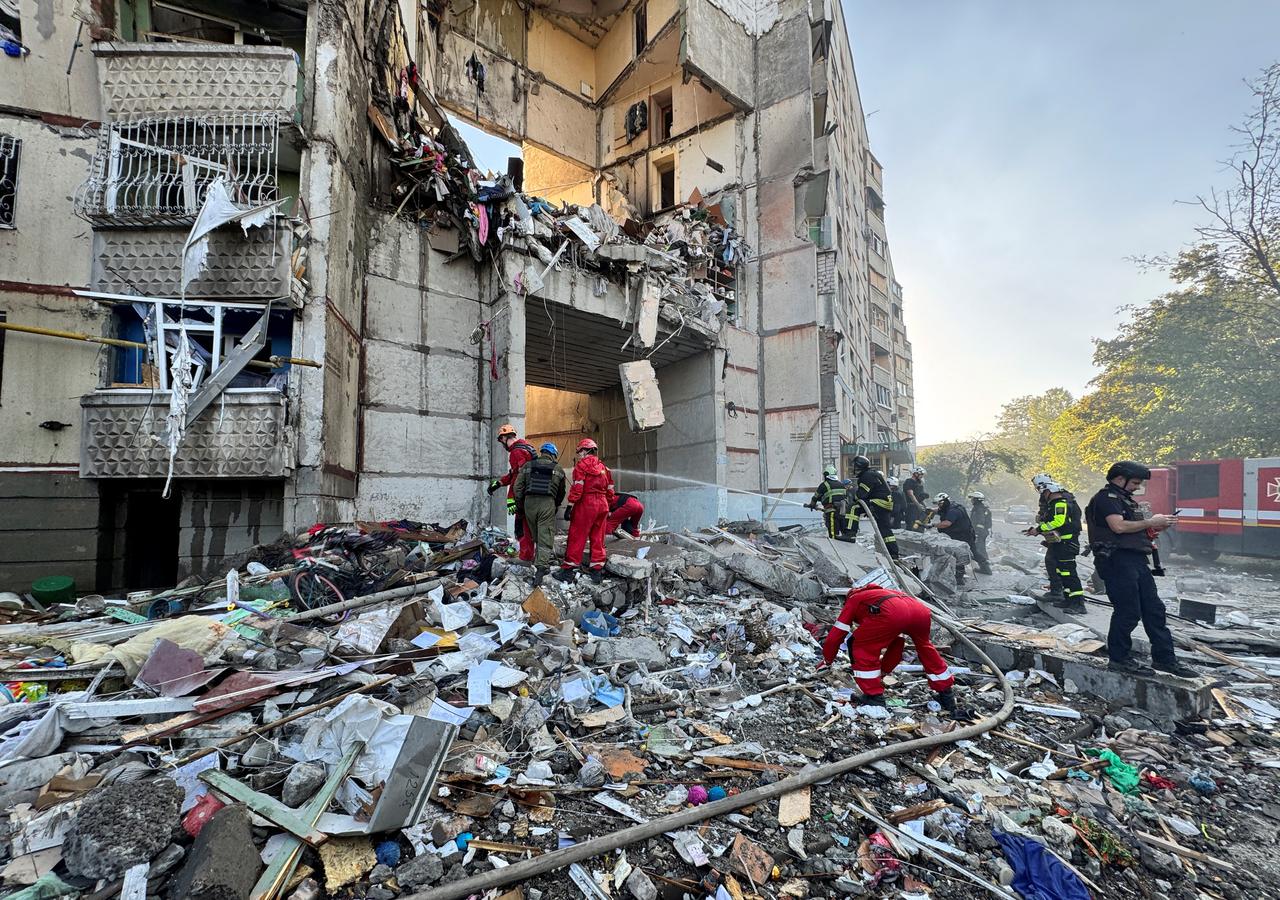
[157, 171]
[243, 440]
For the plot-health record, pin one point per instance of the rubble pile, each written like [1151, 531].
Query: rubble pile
[425, 715]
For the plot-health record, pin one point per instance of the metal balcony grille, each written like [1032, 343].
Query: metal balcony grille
[156, 171]
[10, 150]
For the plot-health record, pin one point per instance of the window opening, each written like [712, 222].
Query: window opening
[642, 27]
[666, 183]
[10, 149]
[663, 118]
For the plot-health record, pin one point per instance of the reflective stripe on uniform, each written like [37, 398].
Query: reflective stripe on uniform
[843, 626]
[867, 673]
[1075, 593]
[891, 539]
[941, 676]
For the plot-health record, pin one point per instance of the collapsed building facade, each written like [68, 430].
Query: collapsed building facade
[690, 266]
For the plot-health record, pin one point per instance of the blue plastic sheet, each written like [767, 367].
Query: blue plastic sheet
[1038, 874]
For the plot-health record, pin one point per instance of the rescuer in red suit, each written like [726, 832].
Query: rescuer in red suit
[625, 514]
[519, 452]
[590, 496]
[877, 621]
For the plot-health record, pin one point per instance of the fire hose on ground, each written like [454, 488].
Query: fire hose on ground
[550, 862]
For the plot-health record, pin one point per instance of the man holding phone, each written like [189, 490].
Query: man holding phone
[1122, 542]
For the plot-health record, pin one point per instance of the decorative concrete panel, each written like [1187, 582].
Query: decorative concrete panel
[239, 436]
[140, 80]
[149, 261]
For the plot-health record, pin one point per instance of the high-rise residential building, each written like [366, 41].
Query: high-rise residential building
[689, 264]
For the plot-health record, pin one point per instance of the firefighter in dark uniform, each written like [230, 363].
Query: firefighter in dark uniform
[539, 491]
[833, 497]
[872, 487]
[916, 496]
[1056, 594]
[899, 518]
[954, 522]
[1060, 527]
[1121, 541]
[980, 515]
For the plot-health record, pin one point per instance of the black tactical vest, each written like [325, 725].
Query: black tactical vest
[540, 471]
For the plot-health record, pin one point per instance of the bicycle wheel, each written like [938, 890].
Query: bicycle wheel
[311, 590]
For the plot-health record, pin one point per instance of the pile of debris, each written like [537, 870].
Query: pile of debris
[393, 710]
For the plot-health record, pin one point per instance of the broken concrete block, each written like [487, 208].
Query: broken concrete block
[120, 826]
[302, 782]
[838, 563]
[628, 567]
[424, 869]
[223, 863]
[641, 394]
[647, 317]
[630, 649]
[641, 886]
[774, 578]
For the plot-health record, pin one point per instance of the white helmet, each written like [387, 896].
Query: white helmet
[918, 470]
[829, 472]
[942, 498]
[893, 482]
[977, 495]
[1053, 487]
[1041, 481]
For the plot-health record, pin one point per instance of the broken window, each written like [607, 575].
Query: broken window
[642, 27]
[663, 118]
[214, 332]
[10, 27]
[876, 242]
[173, 23]
[883, 396]
[819, 115]
[157, 171]
[10, 149]
[666, 172]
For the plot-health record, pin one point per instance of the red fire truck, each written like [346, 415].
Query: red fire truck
[1224, 506]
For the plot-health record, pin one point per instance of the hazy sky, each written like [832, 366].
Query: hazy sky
[1029, 150]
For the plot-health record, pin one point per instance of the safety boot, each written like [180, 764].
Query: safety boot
[597, 576]
[568, 576]
[540, 573]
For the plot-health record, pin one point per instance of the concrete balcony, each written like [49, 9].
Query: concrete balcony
[242, 436]
[882, 376]
[149, 261]
[148, 80]
[880, 340]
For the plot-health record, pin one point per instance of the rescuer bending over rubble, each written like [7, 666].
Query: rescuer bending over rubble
[884, 618]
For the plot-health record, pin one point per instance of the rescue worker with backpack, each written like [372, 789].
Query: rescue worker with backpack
[590, 497]
[874, 490]
[954, 522]
[833, 497]
[539, 491]
[519, 452]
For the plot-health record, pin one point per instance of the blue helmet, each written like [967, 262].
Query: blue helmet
[551, 448]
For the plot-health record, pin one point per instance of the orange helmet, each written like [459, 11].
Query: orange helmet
[587, 444]
[506, 431]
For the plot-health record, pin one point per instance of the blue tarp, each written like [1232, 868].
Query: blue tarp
[1038, 874]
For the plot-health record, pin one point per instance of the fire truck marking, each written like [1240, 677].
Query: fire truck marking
[1273, 490]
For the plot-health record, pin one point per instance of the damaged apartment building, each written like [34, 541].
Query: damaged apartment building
[251, 279]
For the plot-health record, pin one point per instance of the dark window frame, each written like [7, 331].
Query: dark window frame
[1200, 482]
[10, 160]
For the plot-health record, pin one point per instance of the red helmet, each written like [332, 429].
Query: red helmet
[587, 444]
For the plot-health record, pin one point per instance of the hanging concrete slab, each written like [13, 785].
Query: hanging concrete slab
[641, 394]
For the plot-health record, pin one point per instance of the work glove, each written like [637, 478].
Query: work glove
[568, 512]
[511, 505]
[493, 486]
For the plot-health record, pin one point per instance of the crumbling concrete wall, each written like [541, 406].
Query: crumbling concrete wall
[221, 519]
[686, 447]
[335, 189]
[48, 517]
[424, 408]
